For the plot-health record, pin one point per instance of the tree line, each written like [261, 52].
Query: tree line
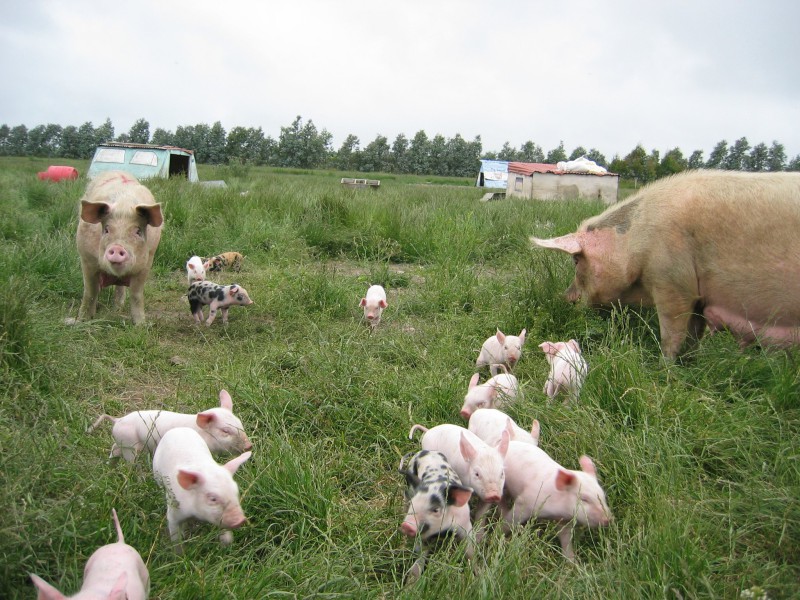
[303, 145]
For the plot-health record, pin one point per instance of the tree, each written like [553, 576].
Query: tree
[737, 155]
[556, 155]
[507, 152]
[5, 132]
[776, 157]
[44, 140]
[438, 155]
[530, 152]
[215, 147]
[376, 156]
[696, 160]
[103, 134]
[618, 166]
[419, 154]
[303, 146]
[87, 140]
[348, 156]
[717, 156]
[140, 132]
[757, 161]
[794, 165]
[636, 165]
[400, 153]
[673, 162]
[162, 137]
[577, 153]
[70, 142]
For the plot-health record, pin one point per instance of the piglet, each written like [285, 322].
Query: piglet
[490, 394]
[437, 505]
[538, 488]
[113, 572]
[195, 271]
[196, 486]
[501, 349]
[490, 423]
[221, 430]
[373, 304]
[218, 297]
[568, 369]
[479, 465]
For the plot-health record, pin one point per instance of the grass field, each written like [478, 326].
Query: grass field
[699, 460]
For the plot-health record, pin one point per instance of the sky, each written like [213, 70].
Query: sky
[604, 75]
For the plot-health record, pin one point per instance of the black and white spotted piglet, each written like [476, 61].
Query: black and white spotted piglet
[437, 505]
[218, 297]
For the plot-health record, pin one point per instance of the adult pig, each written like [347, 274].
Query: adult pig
[118, 233]
[714, 248]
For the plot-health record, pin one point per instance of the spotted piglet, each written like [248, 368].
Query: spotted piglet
[218, 297]
[437, 505]
[226, 260]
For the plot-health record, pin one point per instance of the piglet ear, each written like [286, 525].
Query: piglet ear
[233, 290]
[363, 302]
[118, 591]
[225, 400]
[411, 479]
[501, 337]
[522, 335]
[467, 450]
[548, 348]
[204, 419]
[502, 445]
[569, 243]
[474, 380]
[458, 494]
[536, 429]
[46, 591]
[587, 466]
[383, 304]
[188, 479]
[574, 345]
[94, 212]
[233, 464]
[151, 213]
[564, 479]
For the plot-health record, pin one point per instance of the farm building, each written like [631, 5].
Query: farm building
[557, 182]
[144, 160]
[493, 174]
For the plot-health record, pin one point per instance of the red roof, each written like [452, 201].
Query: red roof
[531, 168]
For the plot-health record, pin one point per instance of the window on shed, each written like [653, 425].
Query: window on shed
[518, 183]
[145, 157]
[110, 155]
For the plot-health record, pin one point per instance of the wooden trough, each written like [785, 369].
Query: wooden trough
[352, 183]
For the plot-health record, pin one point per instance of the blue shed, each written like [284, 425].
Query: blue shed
[144, 161]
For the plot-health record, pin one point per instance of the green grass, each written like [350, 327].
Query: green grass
[699, 460]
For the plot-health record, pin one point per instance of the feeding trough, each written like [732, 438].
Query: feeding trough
[350, 182]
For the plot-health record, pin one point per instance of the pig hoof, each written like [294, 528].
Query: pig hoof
[226, 538]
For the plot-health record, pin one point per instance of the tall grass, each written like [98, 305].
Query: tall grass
[699, 459]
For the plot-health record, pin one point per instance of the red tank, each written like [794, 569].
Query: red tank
[58, 173]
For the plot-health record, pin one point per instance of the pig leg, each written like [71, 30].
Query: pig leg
[416, 569]
[91, 289]
[224, 312]
[137, 298]
[226, 538]
[212, 313]
[674, 316]
[565, 537]
[175, 525]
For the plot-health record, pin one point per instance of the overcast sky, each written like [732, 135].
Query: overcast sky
[604, 75]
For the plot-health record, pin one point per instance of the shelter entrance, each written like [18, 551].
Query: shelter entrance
[178, 165]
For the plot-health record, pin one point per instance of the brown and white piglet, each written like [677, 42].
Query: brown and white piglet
[113, 572]
[538, 488]
[196, 486]
[221, 430]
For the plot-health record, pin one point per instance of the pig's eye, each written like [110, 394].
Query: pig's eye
[105, 229]
[212, 499]
[436, 511]
[227, 431]
[138, 231]
[575, 258]
[477, 475]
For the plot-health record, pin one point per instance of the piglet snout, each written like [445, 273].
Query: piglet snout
[465, 413]
[408, 528]
[493, 498]
[233, 519]
[116, 254]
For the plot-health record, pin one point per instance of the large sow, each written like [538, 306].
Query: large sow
[118, 233]
[713, 248]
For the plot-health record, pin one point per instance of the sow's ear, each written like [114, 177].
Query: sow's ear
[566, 243]
[151, 213]
[94, 212]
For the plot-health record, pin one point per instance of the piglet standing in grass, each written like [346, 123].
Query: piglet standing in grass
[196, 486]
[217, 297]
[373, 304]
[539, 489]
[195, 270]
[226, 260]
[492, 393]
[501, 349]
[437, 505]
[568, 369]
[221, 430]
[113, 572]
